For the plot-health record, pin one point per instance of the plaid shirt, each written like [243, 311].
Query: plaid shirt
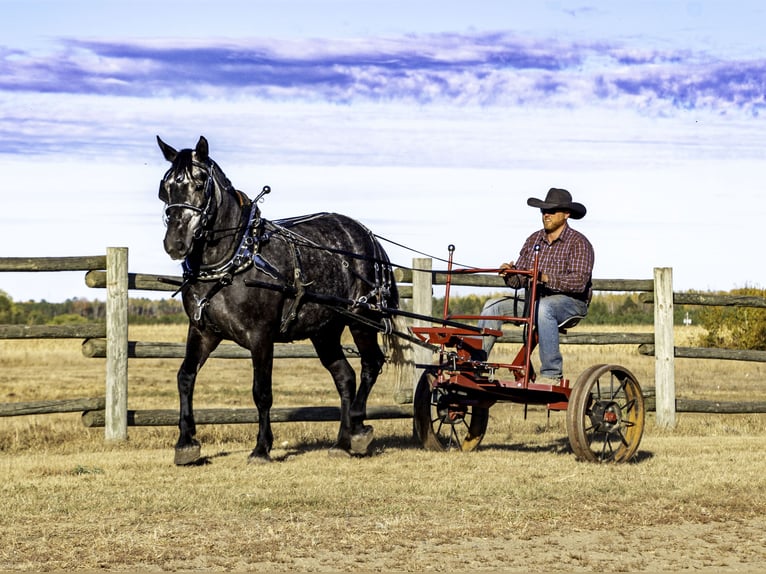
[568, 263]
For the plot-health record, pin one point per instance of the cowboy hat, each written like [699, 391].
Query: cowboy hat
[559, 199]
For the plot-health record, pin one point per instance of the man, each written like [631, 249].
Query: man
[565, 265]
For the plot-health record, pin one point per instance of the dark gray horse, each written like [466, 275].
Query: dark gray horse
[257, 282]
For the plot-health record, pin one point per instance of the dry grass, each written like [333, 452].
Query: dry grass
[693, 500]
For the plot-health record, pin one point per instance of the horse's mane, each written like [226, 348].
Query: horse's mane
[185, 162]
[220, 177]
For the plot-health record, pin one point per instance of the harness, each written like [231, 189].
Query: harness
[243, 257]
[255, 232]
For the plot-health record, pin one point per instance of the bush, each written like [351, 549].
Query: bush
[67, 319]
[735, 327]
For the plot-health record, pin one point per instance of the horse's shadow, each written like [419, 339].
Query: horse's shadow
[400, 442]
[379, 447]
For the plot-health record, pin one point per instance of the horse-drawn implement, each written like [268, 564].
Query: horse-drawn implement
[257, 282]
[604, 408]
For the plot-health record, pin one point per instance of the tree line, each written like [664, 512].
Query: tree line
[140, 311]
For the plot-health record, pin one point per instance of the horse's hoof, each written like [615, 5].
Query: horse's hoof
[187, 455]
[337, 452]
[360, 443]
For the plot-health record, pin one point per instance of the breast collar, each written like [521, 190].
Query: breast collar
[243, 258]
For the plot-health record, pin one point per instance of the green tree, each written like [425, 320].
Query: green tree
[7, 309]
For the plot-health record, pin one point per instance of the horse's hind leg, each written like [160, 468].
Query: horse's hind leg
[333, 359]
[263, 360]
[372, 362]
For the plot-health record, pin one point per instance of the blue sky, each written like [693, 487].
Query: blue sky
[431, 122]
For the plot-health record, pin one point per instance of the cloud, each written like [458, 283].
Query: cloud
[489, 69]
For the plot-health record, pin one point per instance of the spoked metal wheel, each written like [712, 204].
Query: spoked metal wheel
[605, 415]
[444, 419]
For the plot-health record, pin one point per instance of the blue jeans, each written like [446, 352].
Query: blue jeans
[552, 311]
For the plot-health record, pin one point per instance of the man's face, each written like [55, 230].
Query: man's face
[553, 220]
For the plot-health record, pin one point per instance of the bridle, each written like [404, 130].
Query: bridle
[207, 211]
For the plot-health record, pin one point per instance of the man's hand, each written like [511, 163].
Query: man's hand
[505, 268]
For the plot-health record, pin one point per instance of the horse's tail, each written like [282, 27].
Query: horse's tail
[396, 336]
[401, 357]
[399, 349]
[394, 342]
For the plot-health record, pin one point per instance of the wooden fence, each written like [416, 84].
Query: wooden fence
[110, 341]
[416, 286]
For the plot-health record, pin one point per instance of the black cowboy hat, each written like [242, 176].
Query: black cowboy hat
[559, 199]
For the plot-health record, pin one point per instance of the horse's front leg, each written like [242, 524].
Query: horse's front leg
[199, 345]
[263, 361]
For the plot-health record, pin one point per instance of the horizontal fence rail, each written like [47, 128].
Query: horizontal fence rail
[712, 300]
[50, 407]
[710, 353]
[166, 417]
[144, 282]
[45, 264]
[485, 280]
[96, 348]
[78, 331]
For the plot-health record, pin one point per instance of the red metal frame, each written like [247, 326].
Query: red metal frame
[462, 364]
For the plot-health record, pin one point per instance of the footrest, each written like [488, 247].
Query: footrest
[569, 323]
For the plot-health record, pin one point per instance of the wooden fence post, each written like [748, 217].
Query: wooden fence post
[422, 285]
[116, 415]
[422, 301]
[664, 348]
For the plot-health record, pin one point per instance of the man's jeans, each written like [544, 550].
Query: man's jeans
[552, 311]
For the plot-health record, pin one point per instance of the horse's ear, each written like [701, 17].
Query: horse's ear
[202, 149]
[169, 153]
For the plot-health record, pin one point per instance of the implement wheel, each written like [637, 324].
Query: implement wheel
[605, 415]
[444, 419]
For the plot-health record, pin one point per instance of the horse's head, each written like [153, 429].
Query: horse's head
[188, 190]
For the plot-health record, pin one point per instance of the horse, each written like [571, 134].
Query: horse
[258, 282]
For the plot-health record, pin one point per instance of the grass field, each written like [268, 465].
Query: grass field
[693, 499]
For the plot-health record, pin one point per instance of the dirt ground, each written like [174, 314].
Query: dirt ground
[714, 547]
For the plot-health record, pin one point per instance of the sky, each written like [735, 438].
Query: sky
[430, 121]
